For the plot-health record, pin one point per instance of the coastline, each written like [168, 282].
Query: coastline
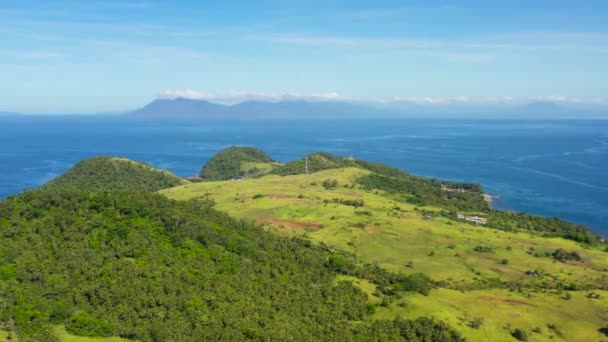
[490, 199]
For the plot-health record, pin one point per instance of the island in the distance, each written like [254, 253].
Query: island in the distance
[321, 248]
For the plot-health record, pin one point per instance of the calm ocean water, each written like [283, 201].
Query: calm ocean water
[549, 168]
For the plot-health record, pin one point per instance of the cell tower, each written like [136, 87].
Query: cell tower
[306, 163]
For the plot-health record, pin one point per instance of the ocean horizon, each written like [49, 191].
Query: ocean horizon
[552, 168]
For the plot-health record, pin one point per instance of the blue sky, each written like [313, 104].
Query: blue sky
[89, 56]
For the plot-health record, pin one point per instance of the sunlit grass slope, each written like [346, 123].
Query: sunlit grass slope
[504, 282]
[65, 336]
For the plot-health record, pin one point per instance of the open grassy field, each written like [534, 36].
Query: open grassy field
[397, 236]
[65, 336]
[258, 168]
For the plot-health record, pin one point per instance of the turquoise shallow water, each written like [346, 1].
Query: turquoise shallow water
[550, 168]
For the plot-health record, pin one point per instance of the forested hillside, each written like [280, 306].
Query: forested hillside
[111, 173]
[144, 267]
[96, 253]
[236, 161]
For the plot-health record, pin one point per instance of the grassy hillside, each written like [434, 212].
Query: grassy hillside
[420, 190]
[111, 173]
[493, 281]
[316, 162]
[140, 266]
[237, 161]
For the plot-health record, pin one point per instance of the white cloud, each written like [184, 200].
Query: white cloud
[241, 96]
[463, 49]
[394, 13]
[555, 98]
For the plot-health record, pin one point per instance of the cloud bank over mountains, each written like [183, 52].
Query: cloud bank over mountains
[245, 96]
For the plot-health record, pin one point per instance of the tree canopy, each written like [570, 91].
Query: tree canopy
[141, 266]
[111, 173]
[228, 163]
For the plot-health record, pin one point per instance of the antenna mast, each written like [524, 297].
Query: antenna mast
[306, 163]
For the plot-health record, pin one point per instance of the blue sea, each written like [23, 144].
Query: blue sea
[550, 168]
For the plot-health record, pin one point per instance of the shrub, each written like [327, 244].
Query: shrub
[483, 249]
[330, 184]
[370, 309]
[476, 323]
[83, 324]
[561, 255]
[256, 196]
[555, 329]
[417, 282]
[519, 335]
[504, 262]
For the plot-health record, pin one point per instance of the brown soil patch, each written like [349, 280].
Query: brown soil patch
[505, 301]
[375, 230]
[289, 224]
[280, 196]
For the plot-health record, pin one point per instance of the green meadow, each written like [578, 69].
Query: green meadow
[491, 281]
[65, 336]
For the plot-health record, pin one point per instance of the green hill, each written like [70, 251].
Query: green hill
[140, 266]
[351, 251]
[422, 190]
[237, 161]
[513, 274]
[316, 162]
[111, 173]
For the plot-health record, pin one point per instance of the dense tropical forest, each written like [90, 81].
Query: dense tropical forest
[232, 162]
[111, 173]
[141, 266]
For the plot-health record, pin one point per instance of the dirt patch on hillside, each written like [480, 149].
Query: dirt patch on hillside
[513, 302]
[374, 230]
[279, 196]
[289, 224]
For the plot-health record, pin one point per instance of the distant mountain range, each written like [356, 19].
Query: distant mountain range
[181, 108]
[191, 109]
[197, 109]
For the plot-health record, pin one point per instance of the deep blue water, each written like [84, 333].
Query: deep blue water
[550, 168]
